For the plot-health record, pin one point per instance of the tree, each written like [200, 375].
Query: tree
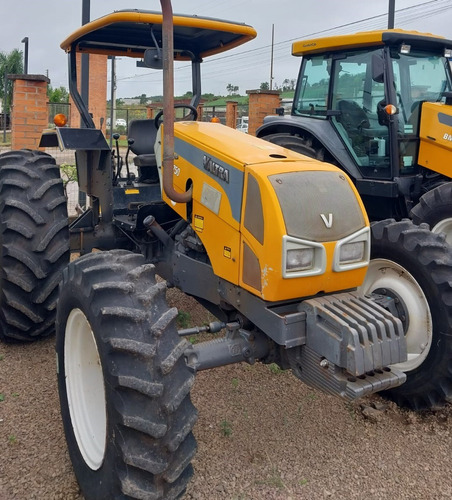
[288, 84]
[58, 95]
[10, 64]
[232, 89]
[265, 86]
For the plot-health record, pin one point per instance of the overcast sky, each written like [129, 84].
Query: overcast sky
[48, 22]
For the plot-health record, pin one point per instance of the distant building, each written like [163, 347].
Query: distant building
[128, 101]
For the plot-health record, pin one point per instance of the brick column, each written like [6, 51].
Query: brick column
[97, 91]
[261, 104]
[200, 111]
[151, 111]
[231, 114]
[29, 110]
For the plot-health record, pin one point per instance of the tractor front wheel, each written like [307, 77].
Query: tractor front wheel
[123, 382]
[435, 208]
[413, 266]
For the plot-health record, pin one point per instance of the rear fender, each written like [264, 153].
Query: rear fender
[322, 130]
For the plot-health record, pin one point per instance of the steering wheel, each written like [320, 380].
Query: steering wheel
[193, 113]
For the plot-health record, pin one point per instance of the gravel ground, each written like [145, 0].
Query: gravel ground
[261, 434]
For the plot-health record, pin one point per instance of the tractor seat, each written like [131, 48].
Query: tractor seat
[143, 133]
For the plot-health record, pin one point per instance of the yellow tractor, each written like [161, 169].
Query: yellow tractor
[379, 105]
[275, 244]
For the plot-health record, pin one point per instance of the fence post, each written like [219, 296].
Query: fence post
[261, 104]
[231, 114]
[29, 115]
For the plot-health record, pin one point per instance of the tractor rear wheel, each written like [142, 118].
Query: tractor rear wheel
[34, 239]
[123, 382]
[435, 208]
[413, 266]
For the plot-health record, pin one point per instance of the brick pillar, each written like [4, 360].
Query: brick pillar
[231, 114]
[29, 110]
[261, 104]
[151, 111]
[97, 91]
[200, 111]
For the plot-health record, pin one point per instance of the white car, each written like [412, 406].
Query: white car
[120, 122]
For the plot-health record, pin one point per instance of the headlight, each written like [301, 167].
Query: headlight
[352, 252]
[302, 258]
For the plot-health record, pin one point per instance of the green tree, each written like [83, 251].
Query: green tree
[265, 86]
[60, 94]
[232, 89]
[10, 64]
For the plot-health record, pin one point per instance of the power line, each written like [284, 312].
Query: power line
[406, 15]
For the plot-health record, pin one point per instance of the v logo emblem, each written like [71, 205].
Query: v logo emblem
[327, 220]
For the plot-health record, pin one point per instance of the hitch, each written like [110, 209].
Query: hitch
[236, 346]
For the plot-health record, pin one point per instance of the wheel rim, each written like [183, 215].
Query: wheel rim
[444, 226]
[85, 389]
[386, 274]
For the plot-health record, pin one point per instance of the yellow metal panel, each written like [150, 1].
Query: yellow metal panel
[435, 149]
[345, 42]
[273, 286]
[218, 207]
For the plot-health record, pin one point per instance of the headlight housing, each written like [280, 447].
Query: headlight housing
[302, 258]
[353, 251]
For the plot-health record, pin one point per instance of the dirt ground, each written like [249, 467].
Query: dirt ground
[261, 434]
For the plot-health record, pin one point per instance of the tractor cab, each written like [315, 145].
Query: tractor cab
[367, 91]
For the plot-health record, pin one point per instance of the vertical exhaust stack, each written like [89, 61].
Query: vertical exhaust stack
[168, 105]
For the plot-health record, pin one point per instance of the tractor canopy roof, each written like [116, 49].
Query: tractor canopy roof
[131, 32]
[393, 37]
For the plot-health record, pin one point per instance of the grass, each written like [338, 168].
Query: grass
[226, 428]
[235, 383]
[183, 319]
[2, 397]
[12, 439]
[275, 369]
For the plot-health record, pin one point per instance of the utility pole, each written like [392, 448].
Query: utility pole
[391, 14]
[271, 59]
[25, 41]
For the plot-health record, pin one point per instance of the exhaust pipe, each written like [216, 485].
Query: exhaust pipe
[168, 106]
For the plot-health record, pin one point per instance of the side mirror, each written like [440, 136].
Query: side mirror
[153, 58]
[378, 70]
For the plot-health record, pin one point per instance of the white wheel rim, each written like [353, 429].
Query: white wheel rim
[386, 274]
[85, 389]
[444, 226]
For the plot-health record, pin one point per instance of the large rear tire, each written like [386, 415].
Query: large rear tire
[413, 266]
[34, 238]
[297, 143]
[435, 209]
[123, 382]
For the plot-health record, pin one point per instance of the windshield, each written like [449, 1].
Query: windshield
[419, 76]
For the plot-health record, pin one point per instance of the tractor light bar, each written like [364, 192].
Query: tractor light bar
[60, 120]
[405, 48]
